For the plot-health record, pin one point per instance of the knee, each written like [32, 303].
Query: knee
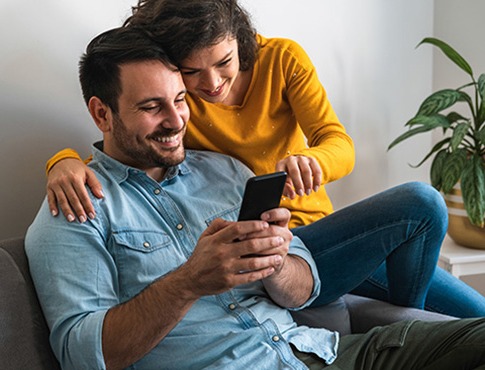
[427, 201]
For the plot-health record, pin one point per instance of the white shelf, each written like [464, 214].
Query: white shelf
[461, 261]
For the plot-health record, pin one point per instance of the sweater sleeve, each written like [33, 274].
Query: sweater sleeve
[63, 154]
[328, 141]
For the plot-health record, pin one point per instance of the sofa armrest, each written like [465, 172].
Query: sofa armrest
[355, 314]
[366, 313]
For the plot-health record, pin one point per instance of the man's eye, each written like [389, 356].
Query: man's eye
[150, 109]
[189, 73]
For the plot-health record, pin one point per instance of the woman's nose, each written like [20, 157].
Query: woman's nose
[210, 80]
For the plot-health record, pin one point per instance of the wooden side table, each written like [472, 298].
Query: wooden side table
[461, 261]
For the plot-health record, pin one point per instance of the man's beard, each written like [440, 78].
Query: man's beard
[144, 156]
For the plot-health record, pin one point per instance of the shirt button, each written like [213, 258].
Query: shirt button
[232, 306]
[157, 191]
[180, 227]
[276, 338]
[146, 245]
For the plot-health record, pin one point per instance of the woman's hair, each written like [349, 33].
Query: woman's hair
[184, 26]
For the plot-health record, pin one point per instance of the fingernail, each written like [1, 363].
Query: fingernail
[308, 191]
[54, 212]
[300, 192]
[70, 218]
[82, 219]
[315, 189]
[91, 215]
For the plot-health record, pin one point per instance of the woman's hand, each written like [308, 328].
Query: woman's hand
[304, 175]
[66, 187]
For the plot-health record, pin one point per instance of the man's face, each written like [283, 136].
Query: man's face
[148, 130]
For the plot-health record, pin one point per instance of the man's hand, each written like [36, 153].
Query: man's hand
[66, 187]
[229, 254]
[304, 175]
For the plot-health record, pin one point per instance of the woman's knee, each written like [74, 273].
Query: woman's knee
[426, 201]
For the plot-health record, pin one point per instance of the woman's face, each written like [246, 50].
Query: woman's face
[211, 72]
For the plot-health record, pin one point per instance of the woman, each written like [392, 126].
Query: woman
[260, 101]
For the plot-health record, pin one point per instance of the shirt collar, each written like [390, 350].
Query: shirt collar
[120, 172]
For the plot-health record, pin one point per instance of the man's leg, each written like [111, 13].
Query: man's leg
[458, 344]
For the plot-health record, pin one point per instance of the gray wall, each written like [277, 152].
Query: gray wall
[364, 52]
[460, 23]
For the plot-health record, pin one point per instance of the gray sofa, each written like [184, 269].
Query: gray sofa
[24, 333]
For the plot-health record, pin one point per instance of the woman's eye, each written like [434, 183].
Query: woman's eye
[225, 62]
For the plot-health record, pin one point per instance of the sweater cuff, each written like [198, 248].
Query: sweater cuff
[56, 158]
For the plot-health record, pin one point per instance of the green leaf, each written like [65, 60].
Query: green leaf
[450, 53]
[433, 121]
[452, 169]
[473, 190]
[481, 86]
[439, 101]
[458, 135]
[435, 148]
[409, 133]
[453, 117]
[481, 92]
[437, 168]
[481, 135]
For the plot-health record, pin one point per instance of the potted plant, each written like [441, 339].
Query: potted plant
[459, 158]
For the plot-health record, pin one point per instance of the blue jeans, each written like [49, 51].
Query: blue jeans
[387, 247]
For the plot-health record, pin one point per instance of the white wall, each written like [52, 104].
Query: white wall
[364, 52]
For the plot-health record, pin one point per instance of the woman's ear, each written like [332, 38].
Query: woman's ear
[101, 114]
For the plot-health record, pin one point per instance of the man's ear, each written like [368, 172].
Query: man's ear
[101, 113]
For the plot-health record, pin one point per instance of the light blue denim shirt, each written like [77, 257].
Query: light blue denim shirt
[144, 230]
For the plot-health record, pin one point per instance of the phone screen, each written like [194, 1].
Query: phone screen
[261, 194]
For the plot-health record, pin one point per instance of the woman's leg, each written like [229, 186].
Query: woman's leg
[403, 226]
[447, 294]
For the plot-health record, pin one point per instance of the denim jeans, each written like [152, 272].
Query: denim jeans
[387, 247]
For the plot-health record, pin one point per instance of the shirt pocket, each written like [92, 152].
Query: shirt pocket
[142, 256]
[229, 214]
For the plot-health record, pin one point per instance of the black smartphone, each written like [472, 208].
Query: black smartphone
[261, 194]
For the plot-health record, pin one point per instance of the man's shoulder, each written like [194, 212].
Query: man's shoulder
[212, 159]
[216, 167]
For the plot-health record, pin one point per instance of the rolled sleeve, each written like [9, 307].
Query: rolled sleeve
[298, 248]
[75, 279]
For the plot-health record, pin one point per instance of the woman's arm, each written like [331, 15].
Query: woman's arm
[67, 177]
[330, 154]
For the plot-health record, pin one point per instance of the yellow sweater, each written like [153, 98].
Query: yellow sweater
[285, 112]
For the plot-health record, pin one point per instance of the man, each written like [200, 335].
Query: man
[163, 278]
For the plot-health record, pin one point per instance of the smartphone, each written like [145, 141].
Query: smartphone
[261, 194]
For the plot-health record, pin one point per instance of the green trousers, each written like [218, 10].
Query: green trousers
[420, 345]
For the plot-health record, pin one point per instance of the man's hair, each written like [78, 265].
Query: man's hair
[185, 26]
[99, 67]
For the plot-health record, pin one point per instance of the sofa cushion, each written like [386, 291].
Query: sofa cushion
[23, 330]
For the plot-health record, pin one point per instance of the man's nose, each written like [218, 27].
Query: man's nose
[173, 119]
